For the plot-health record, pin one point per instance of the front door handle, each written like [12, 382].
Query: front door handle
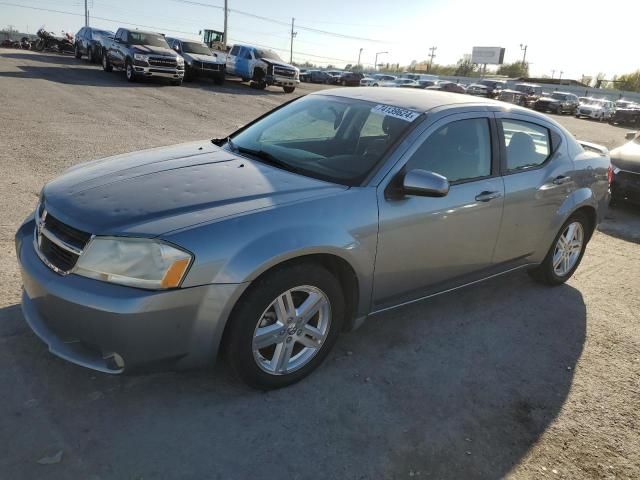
[487, 196]
[561, 180]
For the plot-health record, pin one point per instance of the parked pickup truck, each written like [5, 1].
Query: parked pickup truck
[262, 67]
[142, 54]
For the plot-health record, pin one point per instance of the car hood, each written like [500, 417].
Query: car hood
[591, 107]
[149, 50]
[548, 100]
[627, 157]
[202, 58]
[278, 63]
[155, 191]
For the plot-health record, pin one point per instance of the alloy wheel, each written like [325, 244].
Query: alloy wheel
[568, 248]
[292, 330]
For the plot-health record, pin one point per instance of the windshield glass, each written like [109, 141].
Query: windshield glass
[197, 48]
[150, 39]
[330, 138]
[559, 96]
[266, 53]
[597, 103]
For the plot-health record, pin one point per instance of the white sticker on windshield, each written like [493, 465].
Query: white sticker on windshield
[396, 112]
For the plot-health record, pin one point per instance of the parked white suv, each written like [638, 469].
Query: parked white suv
[596, 108]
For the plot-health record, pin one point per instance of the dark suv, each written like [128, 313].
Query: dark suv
[316, 76]
[558, 102]
[90, 42]
[350, 79]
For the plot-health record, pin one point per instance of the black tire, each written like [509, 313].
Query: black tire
[129, 72]
[247, 313]
[106, 64]
[219, 79]
[77, 52]
[289, 89]
[559, 110]
[544, 273]
[90, 57]
[176, 83]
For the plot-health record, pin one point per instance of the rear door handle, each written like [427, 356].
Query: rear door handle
[561, 180]
[487, 196]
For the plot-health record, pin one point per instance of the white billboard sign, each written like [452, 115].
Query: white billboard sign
[487, 55]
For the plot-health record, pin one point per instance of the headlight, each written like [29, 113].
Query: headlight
[134, 262]
[180, 60]
[140, 57]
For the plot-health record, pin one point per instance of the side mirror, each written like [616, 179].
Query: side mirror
[631, 135]
[422, 183]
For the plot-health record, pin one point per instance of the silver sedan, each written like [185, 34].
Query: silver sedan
[267, 244]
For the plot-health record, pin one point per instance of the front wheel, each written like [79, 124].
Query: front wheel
[565, 254]
[289, 89]
[284, 326]
[77, 52]
[106, 64]
[129, 72]
[176, 83]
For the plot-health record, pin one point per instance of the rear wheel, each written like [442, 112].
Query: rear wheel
[289, 89]
[559, 110]
[567, 250]
[284, 326]
[106, 64]
[77, 52]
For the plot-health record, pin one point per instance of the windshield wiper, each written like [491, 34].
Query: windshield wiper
[266, 157]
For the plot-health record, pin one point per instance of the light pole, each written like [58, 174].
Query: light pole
[375, 66]
[524, 55]
[553, 72]
[359, 54]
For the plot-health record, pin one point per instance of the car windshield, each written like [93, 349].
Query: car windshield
[197, 48]
[597, 103]
[266, 53]
[330, 138]
[559, 96]
[150, 39]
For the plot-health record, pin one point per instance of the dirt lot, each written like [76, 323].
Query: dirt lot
[506, 379]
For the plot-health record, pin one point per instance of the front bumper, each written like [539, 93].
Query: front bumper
[112, 328]
[153, 71]
[281, 81]
[206, 72]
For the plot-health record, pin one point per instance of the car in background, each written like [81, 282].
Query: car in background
[334, 76]
[401, 83]
[596, 109]
[350, 79]
[558, 102]
[419, 76]
[316, 76]
[261, 67]
[531, 91]
[626, 170]
[142, 55]
[478, 90]
[266, 244]
[446, 86]
[512, 96]
[376, 80]
[199, 60]
[90, 41]
[626, 113]
[493, 87]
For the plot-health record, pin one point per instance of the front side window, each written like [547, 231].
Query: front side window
[527, 144]
[331, 138]
[460, 151]
[234, 51]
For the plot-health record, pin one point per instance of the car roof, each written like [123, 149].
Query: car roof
[418, 100]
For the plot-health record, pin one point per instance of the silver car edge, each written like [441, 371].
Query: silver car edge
[265, 245]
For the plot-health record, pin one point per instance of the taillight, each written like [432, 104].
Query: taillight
[610, 175]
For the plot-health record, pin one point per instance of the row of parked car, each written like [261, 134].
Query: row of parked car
[142, 54]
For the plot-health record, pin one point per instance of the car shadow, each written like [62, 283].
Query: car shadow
[458, 387]
[622, 221]
[55, 58]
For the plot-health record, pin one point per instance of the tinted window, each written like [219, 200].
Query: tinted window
[151, 39]
[527, 144]
[459, 150]
[197, 48]
[234, 50]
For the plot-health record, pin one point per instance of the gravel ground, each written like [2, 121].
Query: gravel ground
[506, 379]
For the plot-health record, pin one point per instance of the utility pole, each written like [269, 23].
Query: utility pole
[560, 78]
[293, 35]
[359, 54]
[86, 14]
[524, 56]
[553, 72]
[432, 54]
[225, 34]
[375, 67]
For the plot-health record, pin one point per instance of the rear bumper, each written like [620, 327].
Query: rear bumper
[112, 328]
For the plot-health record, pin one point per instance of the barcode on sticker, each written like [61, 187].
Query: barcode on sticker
[396, 112]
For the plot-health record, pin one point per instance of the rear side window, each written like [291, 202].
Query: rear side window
[460, 151]
[527, 144]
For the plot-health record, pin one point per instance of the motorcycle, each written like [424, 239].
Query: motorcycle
[47, 41]
[25, 44]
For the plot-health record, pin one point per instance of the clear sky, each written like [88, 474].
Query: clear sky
[576, 37]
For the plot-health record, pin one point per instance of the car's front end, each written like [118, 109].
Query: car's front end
[478, 90]
[204, 66]
[592, 111]
[625, 161]
[626, 116]
[548, 104]
[148, 62]
[281, 74]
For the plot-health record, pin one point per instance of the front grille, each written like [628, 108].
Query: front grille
[284, 72]
[59, 245]
[585, 111]
[214, 67]
[163, 62]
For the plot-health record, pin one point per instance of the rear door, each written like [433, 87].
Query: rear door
[537, 170]
[429, 244]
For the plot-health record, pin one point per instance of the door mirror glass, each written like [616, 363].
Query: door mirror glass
[422, 183]
[630, 135]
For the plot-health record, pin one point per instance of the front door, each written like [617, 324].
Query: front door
[430, 244]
